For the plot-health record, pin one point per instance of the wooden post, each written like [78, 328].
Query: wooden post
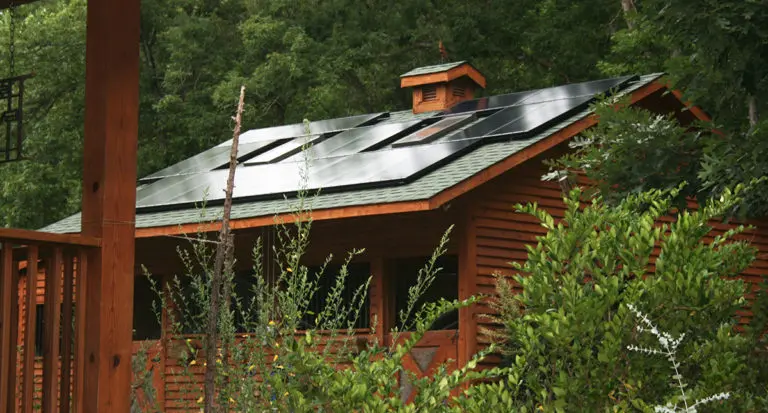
[109, 200]
[9, 319]
[467, 286]
[51, 331]
[380, 299]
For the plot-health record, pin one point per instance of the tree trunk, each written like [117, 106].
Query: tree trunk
[628, 6]
[753, 115]
[217, 278]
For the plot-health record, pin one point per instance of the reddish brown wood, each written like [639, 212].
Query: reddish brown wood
[81, 292]
[379, 293]
[36, 237]
[265, 221]
[27, 401]
[8, 327]
[51, 330]
[67, 332]
[444, 77]
[467, 286]
[109, 199]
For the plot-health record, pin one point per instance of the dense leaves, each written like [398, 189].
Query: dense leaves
[566, 330]
[305, 59]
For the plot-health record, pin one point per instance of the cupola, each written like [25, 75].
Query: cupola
[441, 86]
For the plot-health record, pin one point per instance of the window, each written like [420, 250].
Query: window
[429, 93]
[446, 285]
[458, 91]
[145, 323]
[358, 275]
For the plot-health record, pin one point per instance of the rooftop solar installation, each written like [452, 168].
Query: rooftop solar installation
[284, 179]
[362, 151]
[435, 131]
[213, 158]
[299, 129]
[591, 88]
[356, 140]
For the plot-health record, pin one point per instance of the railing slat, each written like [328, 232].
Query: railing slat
[51, 331]
[27, 400]
[9, 325]
[80, 299]
[66, 337]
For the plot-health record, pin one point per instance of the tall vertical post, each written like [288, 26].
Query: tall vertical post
[467, 287]
[109, 200]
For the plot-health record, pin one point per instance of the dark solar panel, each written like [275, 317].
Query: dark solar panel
[211, 159]
[361, 156]
[274, 180]
[560, 92]
[356, 140]
[286, 150]
[536, 116]
[435, 131]
[298, 129]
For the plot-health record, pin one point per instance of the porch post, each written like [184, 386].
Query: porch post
[109, 200]
[467, 286]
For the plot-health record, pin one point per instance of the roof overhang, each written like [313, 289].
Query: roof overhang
[464, 69]
[439, 199]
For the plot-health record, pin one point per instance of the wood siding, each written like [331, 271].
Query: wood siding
[500, 234]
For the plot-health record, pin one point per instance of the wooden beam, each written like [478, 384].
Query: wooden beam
[467, 287]
[24, 236]
[265, 221]
[67, 332]
[697, 111]
[81, 290]
[379, 295]
[9, 297]
[109, 199]
[51, 331]
[30, 325]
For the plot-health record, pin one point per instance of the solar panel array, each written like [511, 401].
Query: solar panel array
[361, 151]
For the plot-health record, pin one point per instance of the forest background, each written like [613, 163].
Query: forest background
[320, 59]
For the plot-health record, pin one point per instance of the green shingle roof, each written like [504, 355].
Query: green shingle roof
[433, 69]
[422, 188]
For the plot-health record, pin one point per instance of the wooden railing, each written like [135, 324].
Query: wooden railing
[61, 258]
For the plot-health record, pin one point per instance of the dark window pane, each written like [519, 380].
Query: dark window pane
[358, 275]
[145, 323]
[446, 285]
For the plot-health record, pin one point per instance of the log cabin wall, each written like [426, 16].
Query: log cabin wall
[496, 235]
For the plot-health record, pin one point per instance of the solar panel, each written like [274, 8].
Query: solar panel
[591, 88]
[211, 159]
[362, 156]
[286, 150]
[271, 180]
[519, 120]
[356, 140]
[537, 115]
[435, 131]
[298, 129]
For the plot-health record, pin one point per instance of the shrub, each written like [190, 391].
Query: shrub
[566, 321]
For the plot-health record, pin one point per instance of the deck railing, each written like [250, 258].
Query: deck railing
[63, 258]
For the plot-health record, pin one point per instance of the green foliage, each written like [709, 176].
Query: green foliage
[632, 150]
[305, 59]
[565, 334]
[279, 366]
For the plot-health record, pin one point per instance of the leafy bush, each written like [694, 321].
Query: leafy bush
[565, 334]
[280, 366]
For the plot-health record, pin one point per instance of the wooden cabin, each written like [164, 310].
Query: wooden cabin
[392, 183]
